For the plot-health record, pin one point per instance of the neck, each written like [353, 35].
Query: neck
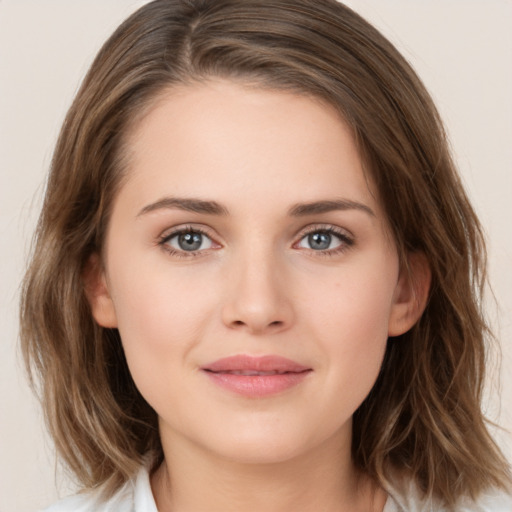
[324, 480]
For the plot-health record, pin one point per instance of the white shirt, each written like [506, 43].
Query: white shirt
[136, 496]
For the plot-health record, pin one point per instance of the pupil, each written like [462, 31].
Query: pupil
[190, 241]
[320, 241]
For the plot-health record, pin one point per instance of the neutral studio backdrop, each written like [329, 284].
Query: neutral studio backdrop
[461, 48]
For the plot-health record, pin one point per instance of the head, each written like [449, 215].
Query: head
[430, 380]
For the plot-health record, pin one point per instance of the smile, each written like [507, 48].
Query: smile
[252, 373]
[256, 377]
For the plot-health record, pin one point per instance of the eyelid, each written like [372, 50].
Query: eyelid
[170, 233]
[313, 228]
[346, 237]
[185, 228]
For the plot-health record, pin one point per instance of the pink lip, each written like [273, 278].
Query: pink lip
[256, 376]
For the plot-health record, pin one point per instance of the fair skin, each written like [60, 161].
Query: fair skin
[246, 227]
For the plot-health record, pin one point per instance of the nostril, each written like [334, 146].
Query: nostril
[240, 323]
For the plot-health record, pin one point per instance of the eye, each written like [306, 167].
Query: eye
[325, 240]
[189, 240]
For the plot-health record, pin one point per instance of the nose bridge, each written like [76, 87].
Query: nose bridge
[257, 299]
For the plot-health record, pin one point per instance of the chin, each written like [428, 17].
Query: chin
[270, 444]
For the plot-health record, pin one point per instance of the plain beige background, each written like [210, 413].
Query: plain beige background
[461, 48]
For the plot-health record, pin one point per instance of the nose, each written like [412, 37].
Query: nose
[258, 299]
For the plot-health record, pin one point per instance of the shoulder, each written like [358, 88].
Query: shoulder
[491, 501]
[93, 502]
[79, 503]
[406, 498]
[134, 496]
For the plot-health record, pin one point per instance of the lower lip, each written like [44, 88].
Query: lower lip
[258, 385]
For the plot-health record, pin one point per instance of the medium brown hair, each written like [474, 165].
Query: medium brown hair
[423, 416]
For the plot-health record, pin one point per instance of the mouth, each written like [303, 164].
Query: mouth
[251, 373]
[256, 377]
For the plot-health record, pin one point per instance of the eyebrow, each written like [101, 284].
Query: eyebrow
[188, 204]
[213, 208]
[317, 207]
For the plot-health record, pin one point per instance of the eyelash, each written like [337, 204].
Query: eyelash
[164, 241]
[346, 240]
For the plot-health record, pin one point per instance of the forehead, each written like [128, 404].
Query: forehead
[245, 139]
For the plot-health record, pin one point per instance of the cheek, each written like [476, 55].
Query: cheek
[161, 318]
[351, 323]
[355, 304]
[158, 301]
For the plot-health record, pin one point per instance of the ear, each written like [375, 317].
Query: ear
[97, 293]
[411, 294]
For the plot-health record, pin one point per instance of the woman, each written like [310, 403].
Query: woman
[268, 274]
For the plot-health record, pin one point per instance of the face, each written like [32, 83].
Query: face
[249, 269]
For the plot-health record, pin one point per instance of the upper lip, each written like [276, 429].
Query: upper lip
[254, 365]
